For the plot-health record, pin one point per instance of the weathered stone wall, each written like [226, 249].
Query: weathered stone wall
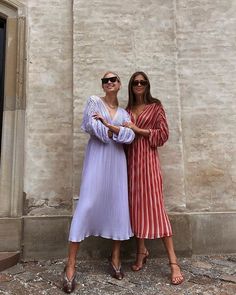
[207, 76]
[48, 139]
[127, 37]
[188, 50]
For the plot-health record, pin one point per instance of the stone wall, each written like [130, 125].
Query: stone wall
[207, 75]
[125, 38]
[187, 48]
[48, 139]
[191, 65]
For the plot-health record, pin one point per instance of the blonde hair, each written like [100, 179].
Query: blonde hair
[111, 72]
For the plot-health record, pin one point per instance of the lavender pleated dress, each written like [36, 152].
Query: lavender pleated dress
[102, 209]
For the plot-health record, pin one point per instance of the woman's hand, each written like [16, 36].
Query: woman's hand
[110, 134]
[99, 117]
[136, 129]
[112, 128]
[131, 125]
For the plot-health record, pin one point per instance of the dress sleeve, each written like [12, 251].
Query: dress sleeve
[160, 133]
[126, 135]
[92, 126]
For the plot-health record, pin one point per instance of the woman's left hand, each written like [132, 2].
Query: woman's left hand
[99, 117]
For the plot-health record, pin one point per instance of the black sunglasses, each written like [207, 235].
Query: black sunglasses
[141, 82]
[111, 79]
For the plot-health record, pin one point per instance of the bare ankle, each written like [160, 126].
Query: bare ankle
[71, 263]
[142, 250]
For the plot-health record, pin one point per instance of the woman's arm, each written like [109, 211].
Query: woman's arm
[157, 135]
[112, 128]
[120, 134]
[160, 133]
[137, 130]
[91, 125]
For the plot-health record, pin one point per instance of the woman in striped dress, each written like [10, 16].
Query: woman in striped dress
[147, 212]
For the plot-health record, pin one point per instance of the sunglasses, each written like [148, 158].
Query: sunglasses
[141, 82]
[111, 79]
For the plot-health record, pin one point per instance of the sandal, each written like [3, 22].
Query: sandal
[176, 280]
[116, 273]
[68, 285]
[136, 266]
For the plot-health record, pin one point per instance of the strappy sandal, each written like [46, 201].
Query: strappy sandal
[68, 285]
[116, 273]
[137, 267]
[177, 280]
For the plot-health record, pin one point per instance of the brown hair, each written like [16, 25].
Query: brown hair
[148, 98]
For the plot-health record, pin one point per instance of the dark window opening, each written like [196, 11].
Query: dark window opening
[2, 70]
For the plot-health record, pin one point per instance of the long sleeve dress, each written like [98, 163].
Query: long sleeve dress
[103, 208]
[148, 217]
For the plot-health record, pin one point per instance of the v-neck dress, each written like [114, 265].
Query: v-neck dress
[147, 212]
[103, 208]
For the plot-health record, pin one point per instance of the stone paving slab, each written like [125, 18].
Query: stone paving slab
[204, 275]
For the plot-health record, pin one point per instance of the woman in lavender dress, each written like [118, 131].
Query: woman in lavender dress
[102, 208]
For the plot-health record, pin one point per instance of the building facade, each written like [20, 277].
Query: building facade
[53, 54]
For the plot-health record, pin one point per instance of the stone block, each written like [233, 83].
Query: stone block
[213, 232]
[10, 234]
[193, 233]
[45, 237]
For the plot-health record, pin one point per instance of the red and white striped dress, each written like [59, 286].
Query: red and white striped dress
[147, 212]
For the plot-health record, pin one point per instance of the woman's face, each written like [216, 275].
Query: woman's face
[139, 85]
[110, 83]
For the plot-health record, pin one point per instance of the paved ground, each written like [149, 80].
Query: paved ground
[204, 275]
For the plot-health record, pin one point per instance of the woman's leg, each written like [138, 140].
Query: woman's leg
[141, 248]
[115, 263]
[169, 245]
[141, 255]
[176, 275]
[115, 256]
[70, 267]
